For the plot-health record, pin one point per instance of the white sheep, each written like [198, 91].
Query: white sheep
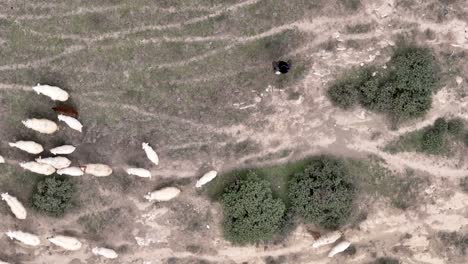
[71, 171]
[105, 252]
[38, 168]
[150, 153]
[327, 239]
[144, 173]
[98, 170]
[63, 150]
[25, 238]
[71, 122]
[209, 176]
[2, 160]
[56, 162]
[16, 206]
[162, 195]
[43, 126]
[340, 247]
[65, 242]
[3, 262]
[55, 93]
[28, 146]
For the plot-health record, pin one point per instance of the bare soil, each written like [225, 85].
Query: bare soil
[194, 79]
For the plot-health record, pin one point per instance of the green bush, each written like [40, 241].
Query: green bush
[53, 196]
[433, 138]
[344, 93]
[323, 193]
[251, 213]
[402, 91]
[455, 126]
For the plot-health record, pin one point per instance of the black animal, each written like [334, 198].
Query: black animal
[281, 67]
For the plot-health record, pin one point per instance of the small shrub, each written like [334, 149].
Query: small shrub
[53, 196]
[344, 93]
[440, 125]
[351, 4]
[251, 214]
[433, 138]
[323, 193]
[455, 126]
[458, 240]
[406, 190]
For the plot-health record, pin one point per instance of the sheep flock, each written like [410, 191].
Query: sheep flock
[57, 163]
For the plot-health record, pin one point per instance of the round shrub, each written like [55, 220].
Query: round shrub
[323, 193]
[455, 126]
[440, 125]
[433, 141]
[251, 213]
[53, 196]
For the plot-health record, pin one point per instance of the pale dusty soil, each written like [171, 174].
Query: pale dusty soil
[155, 233]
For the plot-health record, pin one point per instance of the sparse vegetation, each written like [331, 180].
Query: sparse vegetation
[455, 126]
[53, 196]
[464, 184]
[402, 91]
[251, 213]
[359, 28]
[372, 178]
[323, 193]
[436, 139]
[457, 240]
[96, 223]
[386, 260]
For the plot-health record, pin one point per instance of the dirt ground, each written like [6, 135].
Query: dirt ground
[194, 79]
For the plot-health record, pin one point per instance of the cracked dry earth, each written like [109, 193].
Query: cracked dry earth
[173, 74]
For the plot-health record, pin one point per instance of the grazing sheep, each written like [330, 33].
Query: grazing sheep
[38, 168]
[25, 238]
[71, 171]
[98, 170]
[28, 146]
[105, 252]
[63, 150]
[54, 92]
[65, 242]
[162, 195]
[66, 110]
[43, 126]
[56, 162]
[3, 262]
[144, 173]
[150, 153]
[327, 239]
[2, 160]
[16, 206]
[340, 247]
[209, 176]
[71, 122]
